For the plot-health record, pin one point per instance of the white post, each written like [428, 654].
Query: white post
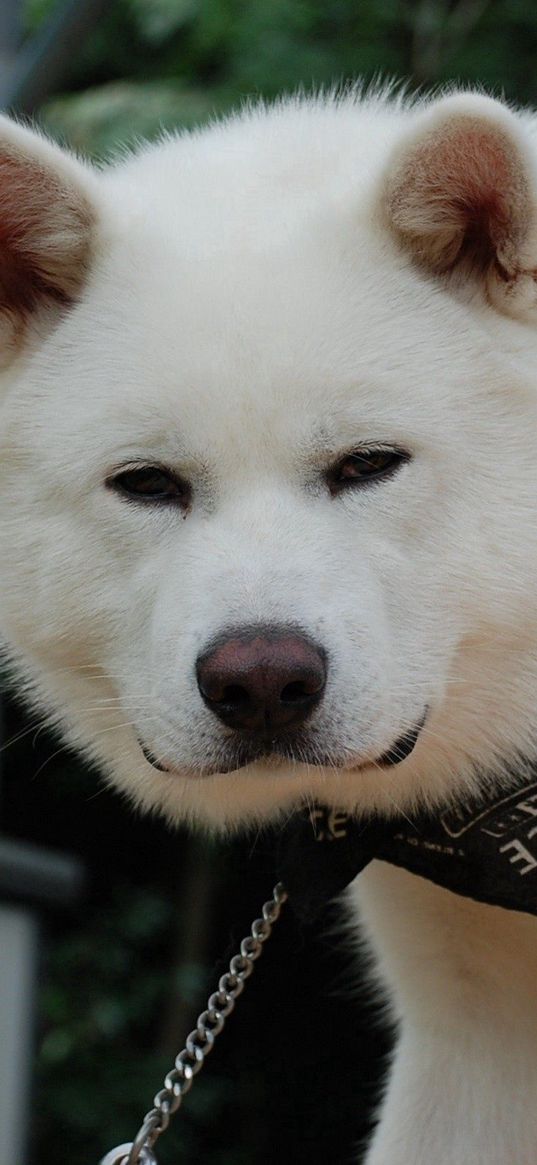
[18, 964]
[30, 879]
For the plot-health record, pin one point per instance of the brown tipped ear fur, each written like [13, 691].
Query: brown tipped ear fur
[461, 196]
[47, 218]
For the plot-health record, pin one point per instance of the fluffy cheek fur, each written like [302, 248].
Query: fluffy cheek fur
[115, 650]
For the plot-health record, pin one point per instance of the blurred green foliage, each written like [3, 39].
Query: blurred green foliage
[103, 1013]
[161, 63]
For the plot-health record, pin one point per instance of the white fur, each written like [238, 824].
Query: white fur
[251, 313]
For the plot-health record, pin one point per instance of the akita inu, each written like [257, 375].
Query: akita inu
[268, 495]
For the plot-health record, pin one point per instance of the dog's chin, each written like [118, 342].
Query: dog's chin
[282, 754]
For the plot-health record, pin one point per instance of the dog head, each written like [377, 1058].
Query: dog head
[267, 477]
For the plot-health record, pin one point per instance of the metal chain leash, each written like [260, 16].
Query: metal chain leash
[200, 1041]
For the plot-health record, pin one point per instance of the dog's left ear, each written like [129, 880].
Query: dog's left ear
[461, 194]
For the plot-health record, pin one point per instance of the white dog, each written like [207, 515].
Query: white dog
[268, 489]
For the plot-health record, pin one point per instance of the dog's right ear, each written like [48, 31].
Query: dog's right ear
[47, 220]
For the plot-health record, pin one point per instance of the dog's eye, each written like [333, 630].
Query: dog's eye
[150, 483]
[363, 466]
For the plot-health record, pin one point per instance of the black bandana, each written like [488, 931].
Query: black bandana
[486, 850]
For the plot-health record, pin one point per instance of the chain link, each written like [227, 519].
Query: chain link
[201, 1040]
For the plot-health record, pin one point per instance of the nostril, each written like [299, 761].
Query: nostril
[298, 691]
[234, 696]
[224, 695]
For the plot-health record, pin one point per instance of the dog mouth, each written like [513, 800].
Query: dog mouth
[403, 746]
[296, 750]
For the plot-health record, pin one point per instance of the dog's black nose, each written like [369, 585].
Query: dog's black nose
[261, 680]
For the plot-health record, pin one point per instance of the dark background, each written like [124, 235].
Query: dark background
[126, 971]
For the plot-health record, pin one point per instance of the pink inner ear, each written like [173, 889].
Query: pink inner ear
[44, 237]
[462, 193]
